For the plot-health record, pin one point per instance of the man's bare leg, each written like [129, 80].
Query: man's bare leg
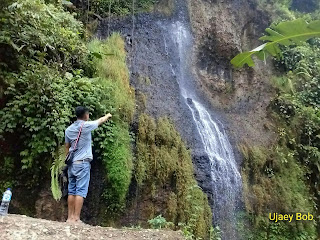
[71, 208]
[77, 208]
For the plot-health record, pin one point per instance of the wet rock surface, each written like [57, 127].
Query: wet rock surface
[221, 30]
[19, 227]
[306, 6]
[154, 68]
[151, 73]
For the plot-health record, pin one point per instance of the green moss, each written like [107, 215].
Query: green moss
[141, 101]
[112, 72]
[112, 140]
[163, 162]
[145, 80]
[172, 206]
[273, 181]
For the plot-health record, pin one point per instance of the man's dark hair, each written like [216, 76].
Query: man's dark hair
[81, 111]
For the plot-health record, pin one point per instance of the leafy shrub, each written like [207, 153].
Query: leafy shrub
[38, 95]
[42, 32]
[56, 72]
[120, 7]
[277, 9]
[159, 222]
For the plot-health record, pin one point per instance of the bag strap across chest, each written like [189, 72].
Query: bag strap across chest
[75, 145]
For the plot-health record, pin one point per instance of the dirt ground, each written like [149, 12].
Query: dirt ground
[19, 227]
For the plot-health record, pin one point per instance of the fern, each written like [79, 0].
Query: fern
[284, 84]
[285, 33]
[56, 168]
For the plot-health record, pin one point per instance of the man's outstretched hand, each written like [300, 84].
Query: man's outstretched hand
[104, 119]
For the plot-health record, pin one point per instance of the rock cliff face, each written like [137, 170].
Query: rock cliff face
[153, 73]
[239, 98]
[221, 29]
[306, 6]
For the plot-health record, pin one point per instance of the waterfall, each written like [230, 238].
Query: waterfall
[162, 49]
[224, 173]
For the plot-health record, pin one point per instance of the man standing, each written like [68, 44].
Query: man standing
[79, 170]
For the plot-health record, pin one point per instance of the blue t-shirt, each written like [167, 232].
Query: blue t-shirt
[84, 144]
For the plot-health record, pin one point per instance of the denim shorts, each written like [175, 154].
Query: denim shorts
[79, 177]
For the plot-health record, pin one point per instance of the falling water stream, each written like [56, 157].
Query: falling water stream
[224, 173]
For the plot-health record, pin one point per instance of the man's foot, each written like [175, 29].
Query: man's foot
[79, 222]
[70, 221]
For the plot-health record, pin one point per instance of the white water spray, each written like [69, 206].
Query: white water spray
[224, 173]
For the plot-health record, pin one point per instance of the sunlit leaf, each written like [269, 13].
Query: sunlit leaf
[285, 33]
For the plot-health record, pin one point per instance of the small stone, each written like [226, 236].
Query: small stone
[67, 230]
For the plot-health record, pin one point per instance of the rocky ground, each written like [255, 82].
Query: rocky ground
[18, 227]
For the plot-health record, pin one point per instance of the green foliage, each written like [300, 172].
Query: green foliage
[30, 95]
[274, 182]
[188, 233]
[114, 76]
[120, 7]
[163, 162]
[112, 141]
[44, 46]
[215, 233]
[6, 172]
[276, 179]
[285, 177]
[45, 33]
[265, 229]
[285, 33]
[115, 153]
[301, 123]
[49, 71]
[277, 9]
[159, 222]
[41, 102]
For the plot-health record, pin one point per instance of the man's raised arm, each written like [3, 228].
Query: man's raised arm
[104, 119]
